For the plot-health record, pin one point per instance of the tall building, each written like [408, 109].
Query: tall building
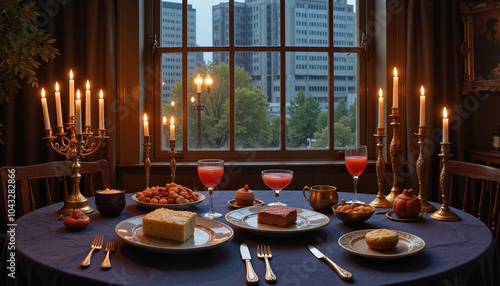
[257, 23]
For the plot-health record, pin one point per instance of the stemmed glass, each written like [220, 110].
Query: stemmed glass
[210, 172]
[355, 162]
[277, 179]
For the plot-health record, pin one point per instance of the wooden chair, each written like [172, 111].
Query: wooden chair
[481, 192]
[29, 178]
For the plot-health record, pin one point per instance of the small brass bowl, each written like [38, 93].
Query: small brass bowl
[352, 218]
[110, 204]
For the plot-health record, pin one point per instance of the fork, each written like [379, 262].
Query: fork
[97, 245]
[265, 252]
[110, 247]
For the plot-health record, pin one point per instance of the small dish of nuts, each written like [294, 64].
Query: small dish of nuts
[172, 196]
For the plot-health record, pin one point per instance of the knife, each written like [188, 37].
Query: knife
[245, 255]
[340, 271]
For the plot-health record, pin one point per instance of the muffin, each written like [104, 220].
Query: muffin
[382, 239]
[244, 197]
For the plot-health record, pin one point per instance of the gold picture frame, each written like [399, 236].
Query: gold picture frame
[481, 47]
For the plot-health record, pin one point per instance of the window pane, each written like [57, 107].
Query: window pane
[307, 100]
[171, 24]
[307, 23]
[345, 113]
[209, 19]
[257, 93]
[344, 23]
[256, 23]
[171, 71]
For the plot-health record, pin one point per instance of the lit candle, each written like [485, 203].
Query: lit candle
[101, 111]
[445, 126]
[198, 81]
[380, 109]
[172, 129]
[46, 118]
[78, 104]
[88, 115]
[146, 125]
[172, 103]
[395, 89]
[58, 106]
[71, 94]
[422, 107]
[165, 127]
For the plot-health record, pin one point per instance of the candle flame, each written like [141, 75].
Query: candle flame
[422, 90]
[164, 120]
[172, 120]
[395, 72]
[192, 99]
[173, 103]
[71, 74]
[380, 93]
[198, 80]
[145, 118]
[43, 93]
[208, 80]
[88, 85]
[57, 86]
[78, 94]
[100, 94]
[445, 113]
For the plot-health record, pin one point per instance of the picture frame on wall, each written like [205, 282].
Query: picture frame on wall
[481, 47]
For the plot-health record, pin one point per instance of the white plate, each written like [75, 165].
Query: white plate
[233, 204]
[207, 234]
[246, 218]
[171, 206]
[408, 244]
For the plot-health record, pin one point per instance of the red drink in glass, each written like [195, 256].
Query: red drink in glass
[210, 175]
[277, 180]
[355, 164]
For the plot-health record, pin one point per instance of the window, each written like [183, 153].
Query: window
[251, 111]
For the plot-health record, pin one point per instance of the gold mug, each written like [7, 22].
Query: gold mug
[321, 197]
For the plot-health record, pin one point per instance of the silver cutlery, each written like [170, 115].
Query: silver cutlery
[96, 245]
[265, 252]
[110, 247]
[340, 271]
[245, 255]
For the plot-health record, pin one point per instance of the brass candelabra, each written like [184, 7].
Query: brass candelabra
[75, 146]
[173, 164]
[147, 161]
[380, 201]
[395, 153]
[445, 213]
[421, 164]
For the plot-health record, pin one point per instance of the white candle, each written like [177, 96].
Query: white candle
[71, 94]
[165, 127]
[88, 115]
[58, 106]
[198, 81]
[146, 125]
[46, 118]
[422, 107]
[380, 109]
[172, 129]
[78, 104]
[101, 111]
[445, 126]
[395, 89]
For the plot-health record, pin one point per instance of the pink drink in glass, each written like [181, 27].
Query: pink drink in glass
[355, 164]
[277, 181]
[210, 175]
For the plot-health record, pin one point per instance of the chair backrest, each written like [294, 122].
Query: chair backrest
[481, 192]
[24, 199]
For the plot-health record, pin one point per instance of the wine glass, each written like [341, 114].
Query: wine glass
[277, 179]
[210, 172]
[355, 162]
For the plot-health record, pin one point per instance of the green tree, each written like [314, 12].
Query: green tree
[340, 110]
[343, 135]
[353, 117]
[321, 138]
[322, 120]
[275, 131]
[303, 111]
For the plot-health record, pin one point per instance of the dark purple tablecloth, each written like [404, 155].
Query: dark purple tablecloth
[456, 253]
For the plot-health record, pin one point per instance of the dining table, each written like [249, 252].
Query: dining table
[454, 253]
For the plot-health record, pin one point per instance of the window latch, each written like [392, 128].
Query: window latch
[154, 47]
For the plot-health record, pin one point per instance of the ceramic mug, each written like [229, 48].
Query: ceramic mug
[321, 197]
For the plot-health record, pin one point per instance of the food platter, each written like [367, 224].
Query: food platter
[246, 218]
[207, 234]
[171, 206]
[408, 244]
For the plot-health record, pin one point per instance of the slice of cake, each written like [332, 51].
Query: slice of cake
[169, 224]
[277, 215]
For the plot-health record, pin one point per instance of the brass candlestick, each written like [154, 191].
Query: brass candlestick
[425, 205]
[445, 213]
[173, 164]
[147, 161]
[380, 201]
[395, 153]
[75, 146]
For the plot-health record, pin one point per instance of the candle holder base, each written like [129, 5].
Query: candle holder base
[380, 202]
[425, 206]
[393, 194]
[71, 203]
[445, 214]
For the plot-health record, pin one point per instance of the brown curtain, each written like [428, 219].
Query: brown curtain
[85, 33]
[434, 37]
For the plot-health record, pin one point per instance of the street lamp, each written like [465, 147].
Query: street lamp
[198, 106]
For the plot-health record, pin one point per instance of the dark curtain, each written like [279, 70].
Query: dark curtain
[85, 33]
[434, 60]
